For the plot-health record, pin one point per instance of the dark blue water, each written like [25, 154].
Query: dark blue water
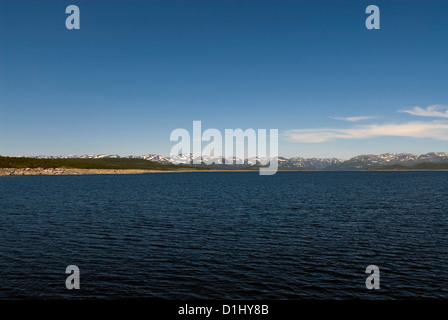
[225, 235]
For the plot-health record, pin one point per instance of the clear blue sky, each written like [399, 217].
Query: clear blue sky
[137, 70]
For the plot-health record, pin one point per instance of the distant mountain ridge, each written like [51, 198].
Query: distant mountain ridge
[360, 162]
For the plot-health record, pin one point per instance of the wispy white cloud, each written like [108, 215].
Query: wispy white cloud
[352, 119]
[434, 129]
[437, 110]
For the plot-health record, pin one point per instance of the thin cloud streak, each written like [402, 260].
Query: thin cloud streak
[437, 110]
[352, 119]
[436, 130]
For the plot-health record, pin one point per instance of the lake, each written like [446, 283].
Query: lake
[225, 235]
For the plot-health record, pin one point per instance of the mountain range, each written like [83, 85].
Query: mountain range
[360, 162]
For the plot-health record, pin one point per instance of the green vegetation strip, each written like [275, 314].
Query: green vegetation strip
[420, 166]
[103, 163]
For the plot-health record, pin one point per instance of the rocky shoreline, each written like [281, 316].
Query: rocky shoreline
[65, 171]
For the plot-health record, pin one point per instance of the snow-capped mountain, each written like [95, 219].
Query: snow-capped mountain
[296, 163]
[406, 159]
[310, 163]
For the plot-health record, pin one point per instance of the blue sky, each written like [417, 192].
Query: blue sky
[135, 71]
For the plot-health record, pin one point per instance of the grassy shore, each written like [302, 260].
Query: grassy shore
[104, 163]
